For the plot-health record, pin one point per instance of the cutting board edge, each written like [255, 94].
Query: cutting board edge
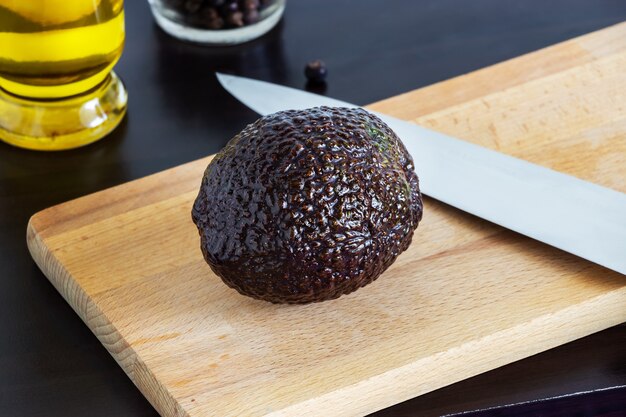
[58, 218]
[94, 318]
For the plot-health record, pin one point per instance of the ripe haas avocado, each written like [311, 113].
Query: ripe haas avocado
[305, 206]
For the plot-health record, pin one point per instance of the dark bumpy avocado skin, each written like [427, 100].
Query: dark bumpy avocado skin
[304, 206]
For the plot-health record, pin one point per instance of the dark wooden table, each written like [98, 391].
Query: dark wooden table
[50, 363]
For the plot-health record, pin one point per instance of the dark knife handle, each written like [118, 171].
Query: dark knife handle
[610, 402]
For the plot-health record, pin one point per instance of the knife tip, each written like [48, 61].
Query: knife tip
[223, 78]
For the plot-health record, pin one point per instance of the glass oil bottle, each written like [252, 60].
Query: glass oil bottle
[57, 88]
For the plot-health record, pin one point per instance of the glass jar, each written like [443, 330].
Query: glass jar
[217, 22]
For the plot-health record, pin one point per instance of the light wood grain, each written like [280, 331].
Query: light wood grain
[466, 297]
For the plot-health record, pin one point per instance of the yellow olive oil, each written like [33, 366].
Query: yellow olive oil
[58, 48]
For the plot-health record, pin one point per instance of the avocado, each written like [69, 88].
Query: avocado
[304, 206]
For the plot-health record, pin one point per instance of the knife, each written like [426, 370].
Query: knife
[576, 216]
[604, 402]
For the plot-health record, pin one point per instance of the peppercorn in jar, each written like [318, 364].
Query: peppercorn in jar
[217, 22]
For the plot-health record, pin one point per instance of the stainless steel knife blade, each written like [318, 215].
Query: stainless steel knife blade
[566, 212]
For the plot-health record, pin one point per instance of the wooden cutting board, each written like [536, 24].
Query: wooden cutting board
[467, 296]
